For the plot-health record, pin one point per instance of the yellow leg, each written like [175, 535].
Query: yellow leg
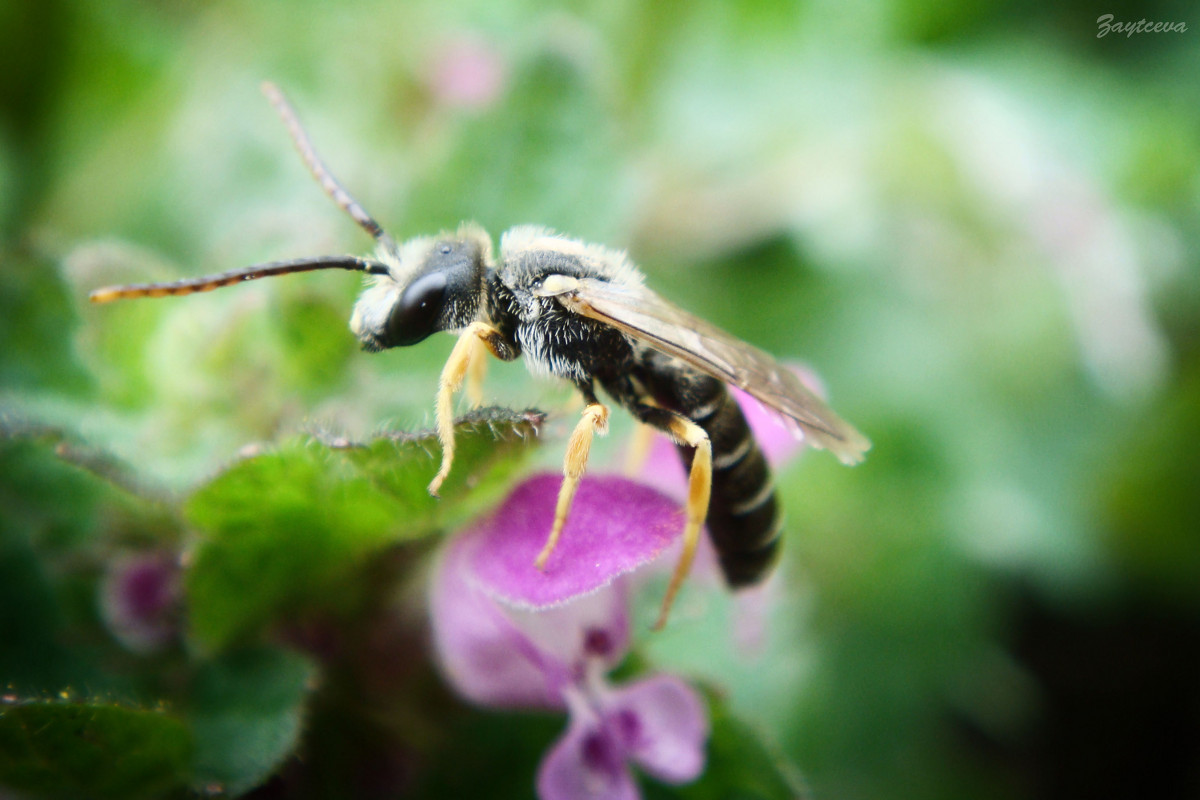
[452, 378]
[595, 420]
[476, 372]
[639, 449]
[699, 488]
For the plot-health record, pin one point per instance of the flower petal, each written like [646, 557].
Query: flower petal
[592, 629]
[482, 653]
[662, 468]
[467, 73]
[662, 724]
[751, 620]
[615, 526]
[585, 764]
[779, 441]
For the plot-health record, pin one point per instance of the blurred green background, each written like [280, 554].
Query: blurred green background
[978, 222]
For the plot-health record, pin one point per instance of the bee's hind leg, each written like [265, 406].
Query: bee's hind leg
[595, 420]
[686, 432]
[466, 350]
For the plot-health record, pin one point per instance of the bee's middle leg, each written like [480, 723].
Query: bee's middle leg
[594, 420]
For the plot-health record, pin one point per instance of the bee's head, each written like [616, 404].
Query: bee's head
[435, 284]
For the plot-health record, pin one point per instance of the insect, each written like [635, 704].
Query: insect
[579, 312]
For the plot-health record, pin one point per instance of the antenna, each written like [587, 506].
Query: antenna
[209, 282]
[330, 184]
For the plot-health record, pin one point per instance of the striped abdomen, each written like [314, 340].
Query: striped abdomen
[743, 517]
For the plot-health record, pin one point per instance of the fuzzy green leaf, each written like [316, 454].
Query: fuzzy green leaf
[61, 502]
[95, 750]
[247, 717]
[287, 527]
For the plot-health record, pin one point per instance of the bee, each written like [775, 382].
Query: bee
[582, 313]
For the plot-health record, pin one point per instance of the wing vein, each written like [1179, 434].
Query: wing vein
[648, 318]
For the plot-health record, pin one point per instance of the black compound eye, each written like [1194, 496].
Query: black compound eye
[414, 317]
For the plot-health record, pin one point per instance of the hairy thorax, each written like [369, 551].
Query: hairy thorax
[556, 341]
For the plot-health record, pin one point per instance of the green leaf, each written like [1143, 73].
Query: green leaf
[37, 321]
[95, 750]
[314, 361]
[247, 715]
[740, 765]
[504, 751]
[285, 527]
[63, 507]
[65, 460]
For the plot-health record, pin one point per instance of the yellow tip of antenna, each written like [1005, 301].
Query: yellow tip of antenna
[105, 295]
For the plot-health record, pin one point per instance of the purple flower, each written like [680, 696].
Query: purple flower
[139, 598]
[658, 723]
[511, 636]
[467, 72]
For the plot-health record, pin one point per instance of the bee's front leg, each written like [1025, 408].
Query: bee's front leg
[451, 380]
[476, 372]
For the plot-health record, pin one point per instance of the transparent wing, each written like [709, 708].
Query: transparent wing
[667, 328]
